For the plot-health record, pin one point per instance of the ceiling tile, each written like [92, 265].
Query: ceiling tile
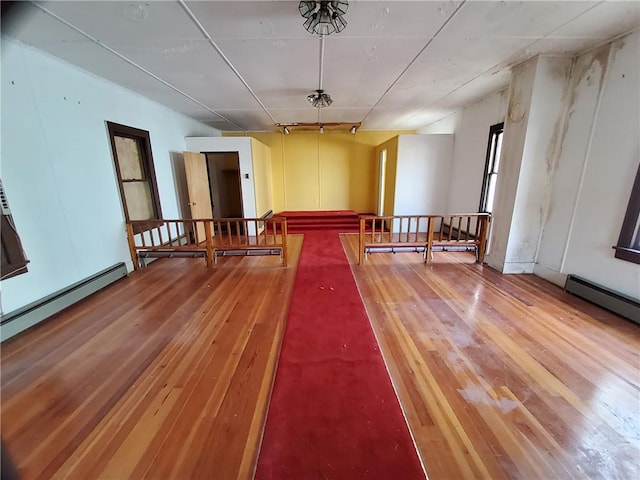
[270, 20]
[342, 115]
[266, 43]
[194, 67]
[255, 119]
[295, 115]
[102, 63]
[602, 22]
[249, 20]
[29, 24]
[401, 19]
[473, 91]
[357, 71]
[281, 72]
[401, 119]
[133, 22]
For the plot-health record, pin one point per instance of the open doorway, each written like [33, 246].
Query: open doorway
[226, 189]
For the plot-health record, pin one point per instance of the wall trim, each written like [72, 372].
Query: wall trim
[550, 275]
[517, 267]
[604, 297]
[23, 318]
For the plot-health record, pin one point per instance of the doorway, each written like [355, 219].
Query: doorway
[226, 189]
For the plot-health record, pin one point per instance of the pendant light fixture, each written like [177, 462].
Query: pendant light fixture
[324, 18]
[320, 99]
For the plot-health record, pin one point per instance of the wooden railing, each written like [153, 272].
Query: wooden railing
[207, 238]
[422, 233]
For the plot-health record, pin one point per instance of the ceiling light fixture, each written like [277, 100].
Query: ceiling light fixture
[322, 127]
[324, 18]
[320, 99]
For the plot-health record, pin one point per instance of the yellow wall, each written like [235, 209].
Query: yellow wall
[390, 174]
[262, 176]
[330, 171]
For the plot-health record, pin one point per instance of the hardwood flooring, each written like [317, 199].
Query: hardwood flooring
[166, 374]
[504, 376]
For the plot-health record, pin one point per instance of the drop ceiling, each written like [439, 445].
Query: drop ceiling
[248, 65]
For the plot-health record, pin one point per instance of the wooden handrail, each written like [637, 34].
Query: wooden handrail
[423, 232]
[164, 236]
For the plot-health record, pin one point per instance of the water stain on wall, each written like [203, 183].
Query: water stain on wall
[584, 71]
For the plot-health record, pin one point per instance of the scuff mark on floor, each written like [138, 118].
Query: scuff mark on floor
[477, 394]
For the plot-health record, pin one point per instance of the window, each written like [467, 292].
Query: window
[131, 149]
[628, 247]
[491, 168]
[14, 261]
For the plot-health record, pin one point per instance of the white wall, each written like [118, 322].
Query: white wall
[422, 175]
[529, 152]
[595, 171]
[448, 124]
[585, 146]
[471, 128]
[262, 177]
[58, 170]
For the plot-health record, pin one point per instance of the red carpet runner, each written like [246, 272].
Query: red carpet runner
[333, 411]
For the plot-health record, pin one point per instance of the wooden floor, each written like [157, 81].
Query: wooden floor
[504, 376]
[166, 374]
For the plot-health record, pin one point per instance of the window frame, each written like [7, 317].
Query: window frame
[11, 245]
[144, 141]
[489, 163]
[629, 239]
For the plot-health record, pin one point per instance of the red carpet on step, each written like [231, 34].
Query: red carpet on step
[333, 412]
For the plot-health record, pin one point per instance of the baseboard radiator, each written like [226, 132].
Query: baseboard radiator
[19, 320]
[616, 302]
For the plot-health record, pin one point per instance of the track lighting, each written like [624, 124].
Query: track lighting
[287, 128]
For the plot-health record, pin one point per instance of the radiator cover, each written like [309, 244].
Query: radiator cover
[603, 297]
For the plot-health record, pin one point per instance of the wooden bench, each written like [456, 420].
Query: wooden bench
[208, 238]
[424, 233]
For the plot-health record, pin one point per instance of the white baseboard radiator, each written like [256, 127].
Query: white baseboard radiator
[623, 305]
[19, 320]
